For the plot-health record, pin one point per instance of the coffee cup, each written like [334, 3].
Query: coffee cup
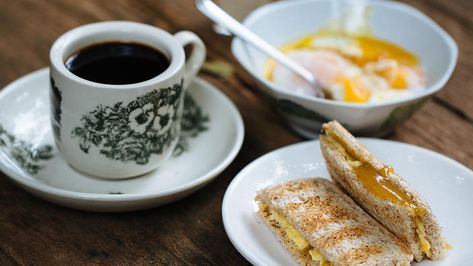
[130, 125]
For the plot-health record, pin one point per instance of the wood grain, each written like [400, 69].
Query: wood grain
[189, 231]
[454, 17]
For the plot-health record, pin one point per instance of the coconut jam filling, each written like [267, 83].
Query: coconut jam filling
[377, 182]
[300, 242]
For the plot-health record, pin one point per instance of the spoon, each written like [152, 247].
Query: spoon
[215, 13]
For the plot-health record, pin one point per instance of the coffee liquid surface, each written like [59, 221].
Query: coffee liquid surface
[117, 63]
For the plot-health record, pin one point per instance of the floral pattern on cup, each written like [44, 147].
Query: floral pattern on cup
[133, 132]
[194, 121]
[27, 155]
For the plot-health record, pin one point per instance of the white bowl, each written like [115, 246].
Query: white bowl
[286, 21]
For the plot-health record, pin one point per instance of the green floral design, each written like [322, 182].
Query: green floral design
[25, 154]
[401, 114]
[133, 132]
[193, 122]
[295, 109]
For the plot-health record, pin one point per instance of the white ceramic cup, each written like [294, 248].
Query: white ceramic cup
[120, 131]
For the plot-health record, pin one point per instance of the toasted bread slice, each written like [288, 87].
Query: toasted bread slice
[301, 255]
[382, 193]
[320, 225]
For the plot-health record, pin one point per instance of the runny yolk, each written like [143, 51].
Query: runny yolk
[355, 90]
[377, 183]
[396, 76]
[374, 49]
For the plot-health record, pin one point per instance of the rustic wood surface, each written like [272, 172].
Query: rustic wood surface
[189, 231]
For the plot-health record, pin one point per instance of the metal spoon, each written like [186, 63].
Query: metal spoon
[215, 13]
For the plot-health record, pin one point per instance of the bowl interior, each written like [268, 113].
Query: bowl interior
[286, 21]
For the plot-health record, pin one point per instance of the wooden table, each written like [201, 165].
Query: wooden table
[189, 231]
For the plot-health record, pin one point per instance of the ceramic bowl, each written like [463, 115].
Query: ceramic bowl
[285, 21]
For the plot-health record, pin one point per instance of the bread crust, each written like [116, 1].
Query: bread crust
[397, 218]
[288, 244]
[332, 222]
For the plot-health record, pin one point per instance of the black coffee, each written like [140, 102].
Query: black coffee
[117, 63]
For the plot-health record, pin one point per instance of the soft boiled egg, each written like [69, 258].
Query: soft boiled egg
[351, 68]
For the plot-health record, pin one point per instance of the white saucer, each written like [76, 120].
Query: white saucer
[28, 157]
[444, 183]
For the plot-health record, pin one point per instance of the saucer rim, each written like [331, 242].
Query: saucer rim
[30, 183]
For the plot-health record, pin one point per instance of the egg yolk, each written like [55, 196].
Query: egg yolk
[398, 67]
[355, 90]
[374, 49]
[396, 76]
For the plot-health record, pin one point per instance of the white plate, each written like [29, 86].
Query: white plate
[25, 136]
[443, 182]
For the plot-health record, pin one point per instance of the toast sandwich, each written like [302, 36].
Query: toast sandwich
[320, 225]
[382, 193]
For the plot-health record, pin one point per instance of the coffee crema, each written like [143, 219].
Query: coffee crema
[117, 63]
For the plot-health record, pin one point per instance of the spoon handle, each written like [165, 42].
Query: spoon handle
[215, 13]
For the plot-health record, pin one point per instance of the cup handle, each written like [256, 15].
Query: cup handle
[197, 57]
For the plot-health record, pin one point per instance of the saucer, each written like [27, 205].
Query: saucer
[444, 183]
[28, 155]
